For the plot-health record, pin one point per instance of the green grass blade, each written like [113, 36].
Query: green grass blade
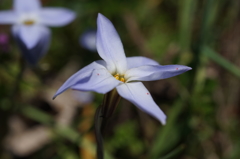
[210, 53]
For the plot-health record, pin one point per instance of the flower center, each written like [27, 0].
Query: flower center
[28, 22]
[119, 77]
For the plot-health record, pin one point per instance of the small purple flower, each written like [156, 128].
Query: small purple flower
[4, 42]
[124, 74]
[29, 21]
[83, 97]
[88, 40]
[4, 39]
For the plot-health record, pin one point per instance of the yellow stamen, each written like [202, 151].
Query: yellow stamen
[28, 22]
[120, 78]
[116, 76]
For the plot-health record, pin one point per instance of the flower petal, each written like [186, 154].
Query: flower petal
[8, 17]
[81, 76]
[137, 61]
[30, 35]
[56, 16]
[33, 55]
[26, 5]
[101, 81]
[109, 46]
[154, 72]
[138, 94]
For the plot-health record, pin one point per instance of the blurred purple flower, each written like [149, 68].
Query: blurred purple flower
[4, 39]
[83, 97]
[4, 42]
[29, 21]
[124, 74]
[88, 40]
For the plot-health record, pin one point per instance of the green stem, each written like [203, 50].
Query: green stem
[110, 102]
[210, 53]
[174, 153]
[103, 113]
[15, 91]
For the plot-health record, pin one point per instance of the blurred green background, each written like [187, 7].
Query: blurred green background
[202, 105]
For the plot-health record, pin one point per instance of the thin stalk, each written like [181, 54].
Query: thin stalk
[110, 103]
[97, 126]
[210, 53]
[186, 16]
[103, 113]
[15, 91]
[199, 62]
[174, 153]
[112, 100]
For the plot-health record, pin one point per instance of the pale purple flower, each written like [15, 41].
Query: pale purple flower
[4, 39]
[83, 97]
[4, 42]
[88, 40]
[124, 74]
[29, 22]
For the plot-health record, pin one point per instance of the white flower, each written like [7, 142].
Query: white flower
[124, 74]
[29, 22]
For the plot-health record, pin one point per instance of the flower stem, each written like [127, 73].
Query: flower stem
[111, 100]
[103, 113]
[97, 126]
[15, 91]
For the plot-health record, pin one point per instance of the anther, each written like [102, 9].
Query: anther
[29, 22]
[116, 76]
[122, 79]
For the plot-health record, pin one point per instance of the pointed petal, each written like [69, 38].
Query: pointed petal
[137, 61]
[81, 76]
[8, 17]
[152, 73]
[32, 56]
[30, 35]
[138, 94]
[26, 5]
[101, 81]
[56, 16]
[109, 45]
